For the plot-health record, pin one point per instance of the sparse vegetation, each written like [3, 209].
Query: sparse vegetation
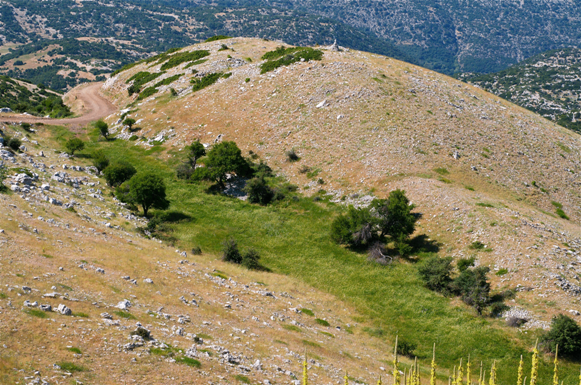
[283, 56]
[206, 81]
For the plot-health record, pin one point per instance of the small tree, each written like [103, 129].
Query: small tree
[355, 228]
[100, 160]
[230, 253]
[258, 191]
[103, 128]
[195, 151]
[74, 144]
[250, 260]
[224, 158]
[567, 334]
[117, 173]
[129, 122]
[13, 143]
[472, 285]
[148, 190]
[436, 273]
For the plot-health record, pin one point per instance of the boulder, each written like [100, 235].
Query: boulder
[64, 310]
[123, 305]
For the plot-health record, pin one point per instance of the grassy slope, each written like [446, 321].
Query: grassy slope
[293, 239]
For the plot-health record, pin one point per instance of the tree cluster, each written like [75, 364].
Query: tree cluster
[385, 220]
[249, 259]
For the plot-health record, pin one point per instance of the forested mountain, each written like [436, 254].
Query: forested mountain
[20, 96]
[454, 36]
[548, 84]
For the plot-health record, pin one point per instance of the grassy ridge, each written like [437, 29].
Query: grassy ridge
[293, 238]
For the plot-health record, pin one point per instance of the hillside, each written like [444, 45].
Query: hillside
[20, 96]
[548, 84]
[478, 167]
[454, 36]
[489, 179]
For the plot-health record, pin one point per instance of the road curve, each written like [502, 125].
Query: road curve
[97, 107]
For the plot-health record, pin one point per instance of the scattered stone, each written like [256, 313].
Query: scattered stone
[123, 305]
[64, 310]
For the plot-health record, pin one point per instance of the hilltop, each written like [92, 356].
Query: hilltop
[547, 84]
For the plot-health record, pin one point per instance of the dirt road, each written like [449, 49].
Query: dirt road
[93, 107]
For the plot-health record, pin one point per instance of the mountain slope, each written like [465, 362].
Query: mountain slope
[548, 84]
[20, 96]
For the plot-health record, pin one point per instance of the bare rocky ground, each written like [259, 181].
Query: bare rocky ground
[76, 280]
[477, 167]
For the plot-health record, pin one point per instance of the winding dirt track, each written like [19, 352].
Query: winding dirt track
[94, 107]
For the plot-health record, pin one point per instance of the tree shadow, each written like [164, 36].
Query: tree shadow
[172, 216]
[422, 244]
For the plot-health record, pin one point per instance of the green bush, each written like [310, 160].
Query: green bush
[566, 333]
[117, 173]
[189, 361]
[182, 57]
[74, 144]
[100, 160]
[473, 287]
[13, 143]
[147, 190]
[206, 81]
[217, 37]
[147, 93]
[259, 191]
[250, 260]
[224, 158]
[436, 273]
[103, 128]
[230, 252]
[465, 263]
[292, 156]
[322, 322]
[184, 171]
[285, 56]
[561, 213]
[71, 367]
[406, 348]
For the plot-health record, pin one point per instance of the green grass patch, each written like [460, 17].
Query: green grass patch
[71, 367]
[292, 328]
[68, 288]
[501, 272]
[182, 57]
[47, 256]
[3, 296]
[561, 213]
[483, 204]
[327, 334]
[206, 81]
[195, 63]
[241, 378]
[124, 314]
[442, 171]
[80, 314]
[374, 332]
[36, 313]
[147, 93]
[75, 350]
[217, 37]
[220, 275]
[286, 56]
[322, 322]
[469, 188]
[563, 147]
[189, 361]
[307, 312]
[557, 204]
[168, 81]
[311, 344]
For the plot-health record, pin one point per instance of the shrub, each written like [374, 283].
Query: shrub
[250, 260]
[354, 228]
[322, 322]
[307, 312]
[100, 160]
[182, 57]
[258, 191]
[197, 250]
[472, 285]
[189, 361]
[561, 213]
[74, 144]
[217, 37]
[406, 348]
[285, 56]
[567, 334]
[13, 143]
[3, 176]
[208, 80]
[230, 252]
[477, 245]
[292, 156]
[117, 173]
[224, 158]
[464, 263]
[436, 273]
[147, 93]
[184, 171]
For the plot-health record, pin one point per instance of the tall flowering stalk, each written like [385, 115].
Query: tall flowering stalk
[433, 370]
[520, 372]
[459, 374]
[305, 374]
[480, 379]
[556, 370]
[492, 380]
[417, 377]
[535, 365]
[468, 373]
[379, 381]
[346, 378]
[396, 377]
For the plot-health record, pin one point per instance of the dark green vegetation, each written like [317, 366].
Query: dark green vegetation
[470, 283]
[74, 144]
[71, 367]
[205, 81]
[36, 313]
[292, 236]
[139, 79]
[39, 101]
[286, 56]
[566, 333]
[182, 57]
[548, 84]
